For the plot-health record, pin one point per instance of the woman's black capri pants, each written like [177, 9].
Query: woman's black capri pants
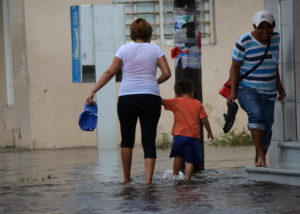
[146, 108]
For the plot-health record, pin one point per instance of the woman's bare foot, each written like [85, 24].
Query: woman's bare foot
[126, 181]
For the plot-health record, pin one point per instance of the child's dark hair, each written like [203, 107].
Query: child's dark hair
[183, 87]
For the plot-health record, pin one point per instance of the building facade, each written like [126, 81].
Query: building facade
[39, 102]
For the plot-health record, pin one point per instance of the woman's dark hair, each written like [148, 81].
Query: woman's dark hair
[140, 29]
[183, 87]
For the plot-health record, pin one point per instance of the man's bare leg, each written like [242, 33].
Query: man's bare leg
[126, 156]
[265, 154]
[149, 168]
[257, 136]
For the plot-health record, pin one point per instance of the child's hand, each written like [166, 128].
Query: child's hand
[210, 136]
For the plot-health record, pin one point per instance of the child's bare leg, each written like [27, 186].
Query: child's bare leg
[188, 170]
[177, 164]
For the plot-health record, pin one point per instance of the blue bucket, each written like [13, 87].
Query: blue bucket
[88, 118]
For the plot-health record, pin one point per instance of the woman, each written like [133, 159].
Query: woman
[139, 96]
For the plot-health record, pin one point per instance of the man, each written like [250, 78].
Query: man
[257, 92]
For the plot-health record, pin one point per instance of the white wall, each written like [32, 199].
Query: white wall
[50, 104]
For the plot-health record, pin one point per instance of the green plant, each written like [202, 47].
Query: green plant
[164, 142]
[232, 138]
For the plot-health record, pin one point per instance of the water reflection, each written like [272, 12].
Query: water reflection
[90, 181]
[109, 164]
[147, 198]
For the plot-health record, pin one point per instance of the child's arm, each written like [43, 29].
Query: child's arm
[205, 123]
[168, 104]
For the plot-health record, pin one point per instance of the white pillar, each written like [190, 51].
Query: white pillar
[109, 36]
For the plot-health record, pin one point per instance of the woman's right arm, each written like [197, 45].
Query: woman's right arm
[165, 70]
[106, 76]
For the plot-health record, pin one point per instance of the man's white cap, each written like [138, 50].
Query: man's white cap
[263, 16]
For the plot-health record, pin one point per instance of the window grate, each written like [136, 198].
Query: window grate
[159, 14]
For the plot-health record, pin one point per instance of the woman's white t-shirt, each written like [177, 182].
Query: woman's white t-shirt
[139, 65]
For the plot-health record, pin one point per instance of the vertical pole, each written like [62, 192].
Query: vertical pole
[281, 65]
[109, 34]
[161, 21]
[8, 54]
[188, 51]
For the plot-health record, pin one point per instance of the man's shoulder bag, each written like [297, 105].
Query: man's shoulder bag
[226, 89]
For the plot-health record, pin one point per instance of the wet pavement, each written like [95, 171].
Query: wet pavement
[85, 180]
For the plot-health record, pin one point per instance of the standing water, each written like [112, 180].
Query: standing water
[90, 181]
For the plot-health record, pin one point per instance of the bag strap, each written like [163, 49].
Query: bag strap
[256, 66]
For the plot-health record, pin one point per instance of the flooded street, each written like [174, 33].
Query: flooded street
[85, 180]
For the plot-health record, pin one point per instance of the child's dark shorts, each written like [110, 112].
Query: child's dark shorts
[188, 148]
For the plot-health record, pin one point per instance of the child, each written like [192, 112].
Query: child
[188, 112]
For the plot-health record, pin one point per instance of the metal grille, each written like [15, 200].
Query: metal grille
[159, 13]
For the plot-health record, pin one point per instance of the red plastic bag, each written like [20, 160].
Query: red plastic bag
[226, 89]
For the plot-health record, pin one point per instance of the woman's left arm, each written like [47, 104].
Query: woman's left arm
[165, 70]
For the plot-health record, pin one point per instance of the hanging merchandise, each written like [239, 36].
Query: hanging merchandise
[181, 20]
[190, 57]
